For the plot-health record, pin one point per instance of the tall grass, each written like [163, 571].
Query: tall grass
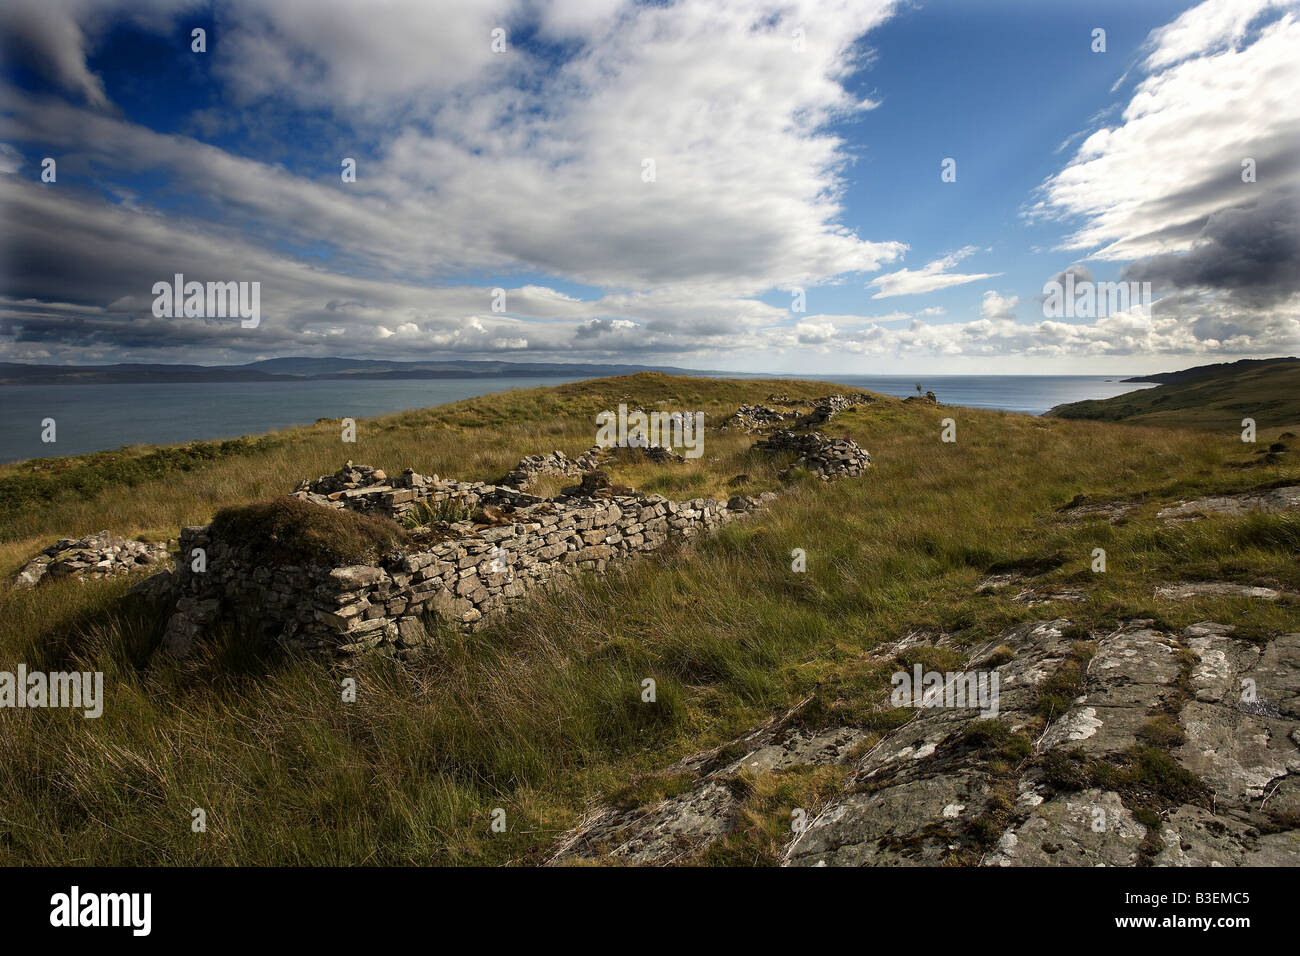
[542, 713]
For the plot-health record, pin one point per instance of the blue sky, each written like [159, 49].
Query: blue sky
[797, 146]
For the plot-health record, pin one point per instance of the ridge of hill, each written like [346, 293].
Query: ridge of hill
[1212, 396]
[1206, 371]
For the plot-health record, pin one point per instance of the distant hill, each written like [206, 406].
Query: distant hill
[1207, 371]
[15, 373]
[298, 369]
[1209, 396]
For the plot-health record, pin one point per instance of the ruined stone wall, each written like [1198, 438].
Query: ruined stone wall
[556, 463]
[468, 573]
[463, 579]
[827, 458]
[99, 555]
[368, 491]
[753, 418]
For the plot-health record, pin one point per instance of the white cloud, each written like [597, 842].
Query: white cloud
[352, 58]
[1167, 185]
[1123, 335]
[10, 159]
[1148, 185]
[485, 162]
[995, 306]
[109, 256]
[814, 331]
[476, 164]
[1206, 28]
[54, 37]
[933, 275]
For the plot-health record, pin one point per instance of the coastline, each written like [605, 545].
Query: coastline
[104, 417]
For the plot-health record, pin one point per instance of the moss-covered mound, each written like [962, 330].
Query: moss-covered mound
[291, 531]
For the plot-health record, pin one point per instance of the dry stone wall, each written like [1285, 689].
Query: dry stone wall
[824, 409]
[369, 491]
[827, 458]
[752, 418]
[556, 463]
[505, 542]
[463, 579]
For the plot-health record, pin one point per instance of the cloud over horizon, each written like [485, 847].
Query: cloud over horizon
[530, 171]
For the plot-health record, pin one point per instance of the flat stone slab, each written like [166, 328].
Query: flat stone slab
[1051, 594]
[1114, 512]
[1190, 590]
[1089, 828]
[1271, 500]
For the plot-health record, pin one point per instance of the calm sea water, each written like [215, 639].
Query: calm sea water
[1033, 394]
[97, 417]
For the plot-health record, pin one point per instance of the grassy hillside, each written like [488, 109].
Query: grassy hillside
[541, 714]
[1218, 398]
[1209, 371]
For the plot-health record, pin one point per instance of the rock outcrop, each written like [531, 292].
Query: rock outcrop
[1191, 590]
[1127, 747]
[1270, 500]
[1264, 500]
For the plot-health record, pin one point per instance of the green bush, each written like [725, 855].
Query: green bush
[448, 511]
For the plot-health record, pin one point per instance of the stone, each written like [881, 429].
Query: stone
[99, 555]
[459, 570]
[827, 458]
[928, 793]
[1269, 501]
[1189, 591]
[357, 576]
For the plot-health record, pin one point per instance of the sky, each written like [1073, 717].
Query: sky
[805, 186]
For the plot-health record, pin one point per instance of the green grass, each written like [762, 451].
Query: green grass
[1218, 400]
[541, 714]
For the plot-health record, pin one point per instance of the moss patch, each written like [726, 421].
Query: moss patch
[1059, 691]
[996, 737]
[1162, 730]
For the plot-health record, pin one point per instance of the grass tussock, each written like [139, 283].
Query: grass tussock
[291, 531]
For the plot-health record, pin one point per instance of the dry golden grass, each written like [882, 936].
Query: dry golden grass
[541, 713]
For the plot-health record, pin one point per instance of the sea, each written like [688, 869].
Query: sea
[101, 417]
